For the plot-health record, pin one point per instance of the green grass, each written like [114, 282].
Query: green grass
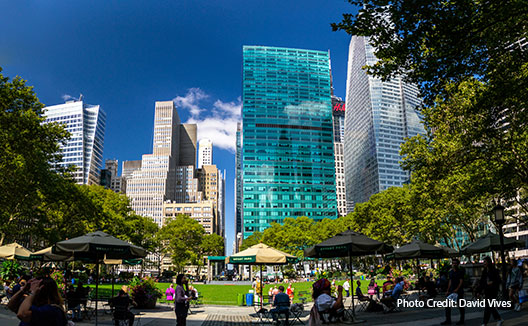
[227, 294]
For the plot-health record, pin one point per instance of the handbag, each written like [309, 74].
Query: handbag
[315, 318]
[453, 297]
[523, 296]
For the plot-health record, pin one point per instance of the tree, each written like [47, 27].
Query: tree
[435, 43]
[470, 62]
[28, 153]
[253, 239]
[212, 245]
[181, 238]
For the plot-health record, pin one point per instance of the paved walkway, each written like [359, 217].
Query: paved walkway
[244, 316]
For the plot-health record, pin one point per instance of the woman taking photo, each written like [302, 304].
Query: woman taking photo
[181, 300]
[43, 304]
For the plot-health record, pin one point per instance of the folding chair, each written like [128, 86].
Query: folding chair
[296, 311]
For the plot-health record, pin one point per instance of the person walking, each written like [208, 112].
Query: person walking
[514, 283]
[170, 292]
[346, 287]
[489, 283]
[455, 285]
[181, 300]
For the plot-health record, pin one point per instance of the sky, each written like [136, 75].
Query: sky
[125, 55]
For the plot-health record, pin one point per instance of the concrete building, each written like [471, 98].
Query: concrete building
[238, 183]
[338, 116]
[155, 182]
[187, 185]
[114, 183]
[188, 134]
[84, 150]
[209, 177]
[127, 169]
[379, 116]
[205, 152]
[203, 212]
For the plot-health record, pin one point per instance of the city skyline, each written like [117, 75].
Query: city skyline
[125, 58]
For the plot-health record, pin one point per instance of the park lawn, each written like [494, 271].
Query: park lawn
[227, 294]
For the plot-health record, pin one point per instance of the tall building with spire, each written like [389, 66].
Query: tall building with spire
[84, 150]
[379, 116]
[287, 139]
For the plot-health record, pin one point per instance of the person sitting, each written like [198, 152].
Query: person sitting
[121, 312]
[281, 304]
[390, 300]
[373, 289]
[388, 285]
[324, 303]
[74, 303]
[430, 289]
[359, 293]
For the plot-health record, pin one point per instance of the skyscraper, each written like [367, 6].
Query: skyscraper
[238, 181]
[155, 182]
[287, 146]
[86, 124]
[205, 152]
[379, 116]
[338, 116]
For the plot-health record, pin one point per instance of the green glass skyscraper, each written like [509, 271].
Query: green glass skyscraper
[287, 139]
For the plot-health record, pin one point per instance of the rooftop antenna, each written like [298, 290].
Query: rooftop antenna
[80, 97]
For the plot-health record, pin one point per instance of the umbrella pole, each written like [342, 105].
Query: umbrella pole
[261, 288]
[352, 285]
[113, 279]
[96, 286]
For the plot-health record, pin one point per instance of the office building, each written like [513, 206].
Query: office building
[338, 116]
[205, 152]
[155, 182]
[238, 181]
[203, 212]
[379, 116]
[187, 185]
[288, 167]
[127, 169]
[84, 150]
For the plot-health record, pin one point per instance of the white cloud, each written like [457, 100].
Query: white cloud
[67, 97]
[218, 123]
[191, 100]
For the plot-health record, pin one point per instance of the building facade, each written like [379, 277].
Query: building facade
[84, 150]
[238, 181]
[379, 116]
[338, 116]
[288, 167]
[155, 182]
[203, 212]
[127, 169]
[205, 152]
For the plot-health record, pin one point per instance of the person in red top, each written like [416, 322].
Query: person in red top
[289, 292]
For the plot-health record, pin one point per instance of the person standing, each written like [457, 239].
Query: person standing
[514, 283]
[346, 287]
[455, 285]
[181, 300]
[490, 282]
[170, 292]
[290, 292]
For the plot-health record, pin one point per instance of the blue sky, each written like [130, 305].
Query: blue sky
[125, 55]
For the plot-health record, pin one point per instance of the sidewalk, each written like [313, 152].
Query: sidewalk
[244, 316]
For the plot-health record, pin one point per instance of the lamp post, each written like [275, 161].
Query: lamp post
[498, 213]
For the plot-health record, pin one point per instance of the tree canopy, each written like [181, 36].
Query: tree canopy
[29, 151]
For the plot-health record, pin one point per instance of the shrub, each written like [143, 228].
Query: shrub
[144, 291]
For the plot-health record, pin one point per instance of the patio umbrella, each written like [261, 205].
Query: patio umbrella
[348, 244]
[417, 249]
[46, 254]
[96, 247]
[261, 254]
[10, 251]
[491, 242]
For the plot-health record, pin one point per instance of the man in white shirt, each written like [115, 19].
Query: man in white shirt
[346, 287]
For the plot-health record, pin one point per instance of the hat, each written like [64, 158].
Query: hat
[322, 284]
